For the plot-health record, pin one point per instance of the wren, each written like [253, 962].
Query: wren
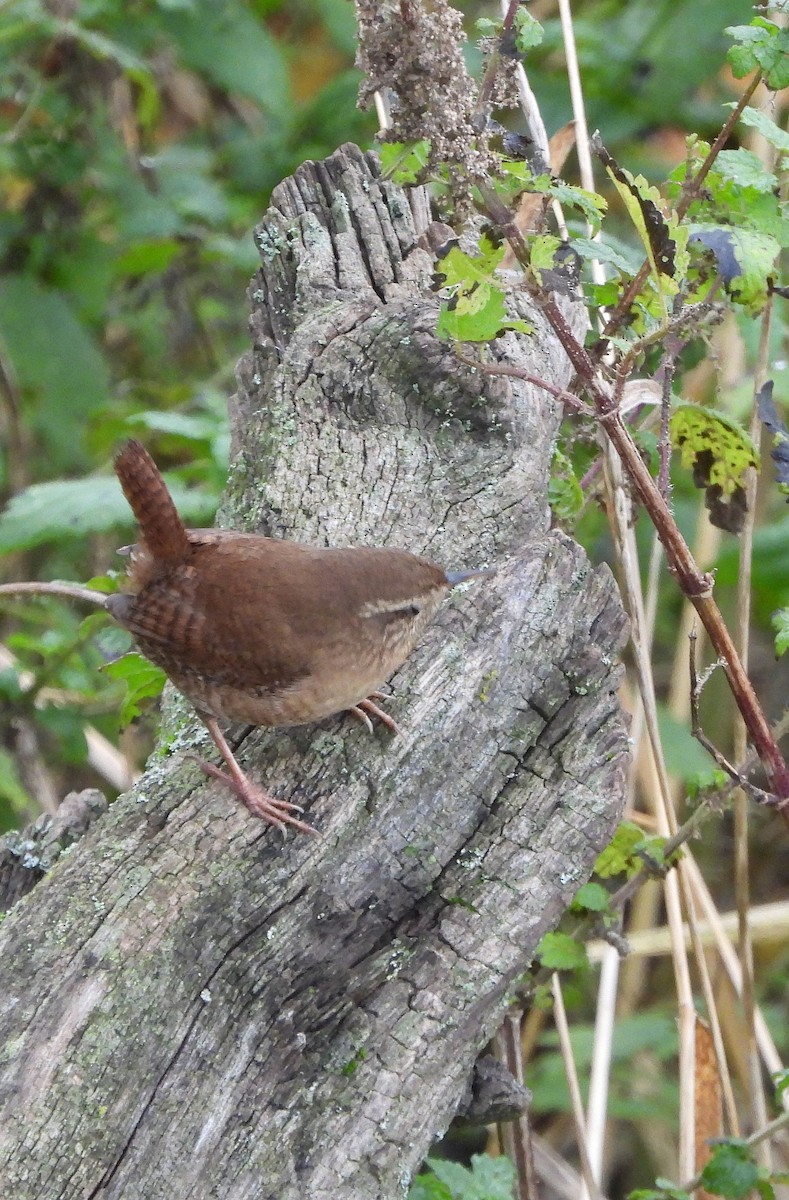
[265, 631]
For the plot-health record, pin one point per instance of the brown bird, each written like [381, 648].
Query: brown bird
[264, 631]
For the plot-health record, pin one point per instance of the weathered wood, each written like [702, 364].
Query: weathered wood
[191, 1008]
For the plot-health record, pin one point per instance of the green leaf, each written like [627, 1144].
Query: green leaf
[543, 249]
[668, 1191]
[148, 257]
[780, 623]
[763, 46]
[486, 28]
[12, 790]
[619, 855]
[565, 494]
[229, 45]
[528, 31]
[489, 1178]
[614, 253]
[663, 239]
[65, 724]
[560, 952]
[429, 1187]
[404, 163]
[766, 126]
[476, 310]
[719, 453]
[143, 681]
[746, 169]
[520, 178]
[72, 508]
[731, 1170]
[61, 371]
[591, 896]
[745, 259]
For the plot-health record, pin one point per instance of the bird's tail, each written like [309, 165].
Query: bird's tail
[162, 530]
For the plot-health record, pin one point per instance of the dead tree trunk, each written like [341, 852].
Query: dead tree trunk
[190, 1008]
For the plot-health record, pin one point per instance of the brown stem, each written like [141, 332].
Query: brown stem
[698, 588]
[690, 192]
[696, 585]
[486, 88]
[71, 591]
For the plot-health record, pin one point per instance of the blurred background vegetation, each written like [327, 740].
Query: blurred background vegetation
[139, 143]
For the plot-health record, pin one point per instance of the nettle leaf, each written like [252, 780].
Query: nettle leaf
[719, 452]
[528, 31]
[619, 856]
[489, 1178]
[142, 679]
[611, 252]
[404, 162]
[560, 952]
[663, 239]
[762, 46]
[731, 1170]
[745, 260]
[592, 896]
[780, 623]
[746, 169]
[768, 416]
[766, 126]
[429, 1187]
[591, 206]
[475, 312]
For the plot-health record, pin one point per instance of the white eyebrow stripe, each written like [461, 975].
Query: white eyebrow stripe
[374, 608]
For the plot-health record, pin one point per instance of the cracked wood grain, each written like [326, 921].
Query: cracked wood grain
[190, 1007]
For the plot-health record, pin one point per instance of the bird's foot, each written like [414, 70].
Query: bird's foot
[368, 708]
[260, 803]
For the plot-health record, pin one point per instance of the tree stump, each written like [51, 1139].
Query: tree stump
[193, 1008]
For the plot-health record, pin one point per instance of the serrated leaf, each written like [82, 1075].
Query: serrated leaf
[763, 46]
[459, 269]
[528, 31]
[543, 249]
[591, 896]
[745, 259]
[476, 311]
[489, 1178]
[560, 952]
[143, 681]
[718, 452]
[730, 1171]
[619, 855]
[643, 206]
[72, 508]
[766, 126]
[746, 169]
[591, 205]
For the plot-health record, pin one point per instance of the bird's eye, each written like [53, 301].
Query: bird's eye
[413, 610]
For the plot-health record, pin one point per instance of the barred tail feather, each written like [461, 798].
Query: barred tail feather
[162, 530]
